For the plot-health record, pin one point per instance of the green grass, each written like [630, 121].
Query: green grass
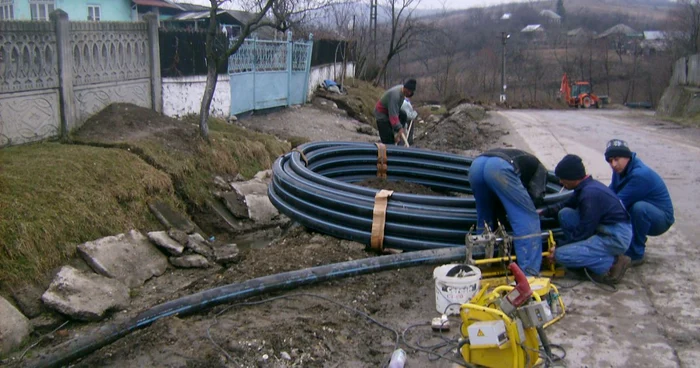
[55, 196]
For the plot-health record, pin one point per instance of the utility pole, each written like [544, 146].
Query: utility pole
[373, 25]
[504, 37]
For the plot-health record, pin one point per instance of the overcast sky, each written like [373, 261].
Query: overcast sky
[424, 4]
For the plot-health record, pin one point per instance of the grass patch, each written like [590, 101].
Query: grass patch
[362, 97]
[55, 196]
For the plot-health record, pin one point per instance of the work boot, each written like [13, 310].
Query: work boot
[638, 262]
[618, 269]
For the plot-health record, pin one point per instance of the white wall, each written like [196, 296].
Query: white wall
[328, 71]
[182, 96]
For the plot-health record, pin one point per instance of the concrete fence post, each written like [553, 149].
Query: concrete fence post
[154, 49]
[64, 56]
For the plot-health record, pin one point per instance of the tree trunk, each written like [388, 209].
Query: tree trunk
[206, 100]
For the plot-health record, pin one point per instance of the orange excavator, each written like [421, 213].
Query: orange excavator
[578, 94]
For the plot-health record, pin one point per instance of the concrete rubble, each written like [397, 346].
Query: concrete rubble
[14, 329]
[165, 242]
[85, 296]
[189, 261]
[129, 258]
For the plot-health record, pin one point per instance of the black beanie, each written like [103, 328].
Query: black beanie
[410, 85]
[570, 168]
[617, 148]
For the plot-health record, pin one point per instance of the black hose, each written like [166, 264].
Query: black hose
[314, 185]
[545, 345]
[87, 343]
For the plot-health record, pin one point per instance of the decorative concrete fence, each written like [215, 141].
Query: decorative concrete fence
[55, 75]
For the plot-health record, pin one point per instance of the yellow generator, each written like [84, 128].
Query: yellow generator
[503, 324]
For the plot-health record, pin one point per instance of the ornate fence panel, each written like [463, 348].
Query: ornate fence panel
[105, 53]
[54, 75]
[265, 74]
[29, 99]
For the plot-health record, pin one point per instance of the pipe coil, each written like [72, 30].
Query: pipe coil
[315, 186]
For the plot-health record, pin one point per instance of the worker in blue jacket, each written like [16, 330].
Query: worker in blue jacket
[596, 226]
[644, 195]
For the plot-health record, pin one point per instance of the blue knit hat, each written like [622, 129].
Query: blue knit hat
[570, 168]
[617, 148]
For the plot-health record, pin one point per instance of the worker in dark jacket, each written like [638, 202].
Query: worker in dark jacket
[387, 111]
[596, 226]
[515, 181]
[644, 195]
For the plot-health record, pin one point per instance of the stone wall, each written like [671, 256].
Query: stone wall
[55, 75]
[682, 97]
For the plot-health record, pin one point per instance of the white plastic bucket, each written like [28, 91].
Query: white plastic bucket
[459, 287]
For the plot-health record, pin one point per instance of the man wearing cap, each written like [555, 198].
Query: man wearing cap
[596, 226]
[644, 195]
[387, 111]
[514, 181]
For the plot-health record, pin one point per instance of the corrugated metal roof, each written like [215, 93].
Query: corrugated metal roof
[533, 28]
[157, 4]
[195, 15]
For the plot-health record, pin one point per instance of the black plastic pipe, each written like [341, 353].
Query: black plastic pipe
[314, 185]
[86, 344]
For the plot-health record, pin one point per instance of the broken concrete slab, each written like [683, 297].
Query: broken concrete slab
[260, 209]
[85, 296]
[28, 299]
[129, 258]
[253, 186]
[225, 215]
[165, 242]
[197, 244]
[264, 175]
[235, 203]
[171, 218]
[179, 236]
[228, 253]
[14, 329]
[189, 261]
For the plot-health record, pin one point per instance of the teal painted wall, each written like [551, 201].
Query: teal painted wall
[110, 10]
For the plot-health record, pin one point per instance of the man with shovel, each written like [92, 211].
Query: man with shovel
[387, 111]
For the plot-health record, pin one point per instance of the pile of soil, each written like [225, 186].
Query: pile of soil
[130, 123]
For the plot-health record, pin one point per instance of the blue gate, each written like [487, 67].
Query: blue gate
[266, 74]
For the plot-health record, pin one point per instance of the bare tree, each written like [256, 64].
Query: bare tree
[285, 15]
[402, 28]
[685, 23]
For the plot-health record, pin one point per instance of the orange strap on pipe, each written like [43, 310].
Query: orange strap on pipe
[381, 200]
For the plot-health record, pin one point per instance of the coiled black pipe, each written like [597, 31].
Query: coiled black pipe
[314, 185]
[85, 344]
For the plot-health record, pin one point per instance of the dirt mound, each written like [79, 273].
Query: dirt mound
[398, 186]
[130, 123]
[465, 128]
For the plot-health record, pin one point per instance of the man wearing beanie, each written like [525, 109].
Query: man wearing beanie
[596, 226]
[516, 181]
[388, 109]
[644, 195]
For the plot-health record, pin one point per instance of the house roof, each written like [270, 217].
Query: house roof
[620, 29]
[192, 7]
[157, 4]
[533, 28]
[654, 35]
[193, 15]
[550, 14]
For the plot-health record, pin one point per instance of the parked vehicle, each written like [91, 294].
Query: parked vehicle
[579, 94]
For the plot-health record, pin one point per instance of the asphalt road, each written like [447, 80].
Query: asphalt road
[653, 320]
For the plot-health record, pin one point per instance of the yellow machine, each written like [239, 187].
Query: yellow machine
[503, 324]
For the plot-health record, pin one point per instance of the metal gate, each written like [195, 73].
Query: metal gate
[265, 74]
